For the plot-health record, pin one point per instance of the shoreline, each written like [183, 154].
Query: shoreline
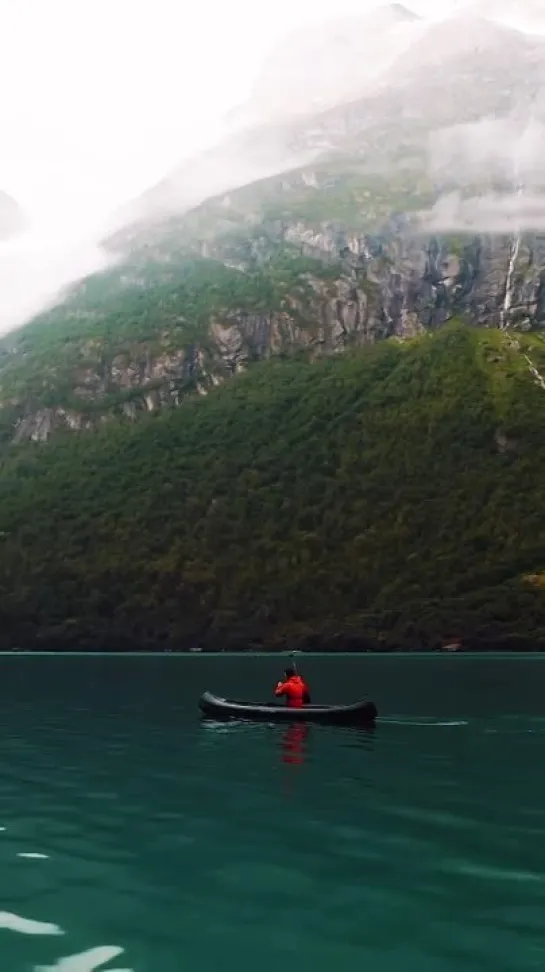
[273, 653]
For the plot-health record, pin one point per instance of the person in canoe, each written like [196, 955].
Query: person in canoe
[294, 688]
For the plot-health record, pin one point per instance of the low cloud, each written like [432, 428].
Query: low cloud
[494, 170]
[488, 213]
[36, 267]
[506, 149]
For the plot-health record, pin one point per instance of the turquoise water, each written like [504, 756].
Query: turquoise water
[136, 837]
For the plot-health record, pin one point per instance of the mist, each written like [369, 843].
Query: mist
[498, 163]
[508, 149]
[487, 213]
[35, 268]
[109, 99]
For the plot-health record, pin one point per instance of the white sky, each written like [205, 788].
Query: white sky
[101, 97]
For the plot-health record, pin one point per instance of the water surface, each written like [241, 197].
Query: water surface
[137, 837]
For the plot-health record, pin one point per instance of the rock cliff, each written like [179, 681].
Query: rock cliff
[319, 290]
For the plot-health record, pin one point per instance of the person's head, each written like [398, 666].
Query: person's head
[289, 672]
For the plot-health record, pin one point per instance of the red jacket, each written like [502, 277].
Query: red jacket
[295, 689]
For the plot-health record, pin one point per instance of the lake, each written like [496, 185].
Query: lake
[135, 836]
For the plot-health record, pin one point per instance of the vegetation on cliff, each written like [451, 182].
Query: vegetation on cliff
[78, 355]
[391, 498]
[321, 259]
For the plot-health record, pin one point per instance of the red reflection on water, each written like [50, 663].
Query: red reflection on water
[293, 743]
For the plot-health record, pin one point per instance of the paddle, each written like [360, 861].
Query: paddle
[294, 663]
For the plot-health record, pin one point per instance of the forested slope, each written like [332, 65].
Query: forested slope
[390, 498]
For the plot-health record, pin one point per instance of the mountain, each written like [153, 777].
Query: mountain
[324, 64]
[391, 498]
[419, 202]
[317, 67]
[12, 220]
[304, 403]
[458, 72]
[243, 156]
[461, 72]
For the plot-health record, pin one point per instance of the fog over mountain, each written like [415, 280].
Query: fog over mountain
[465, 94]
[318, 67]
[468, 93]
[12, 218]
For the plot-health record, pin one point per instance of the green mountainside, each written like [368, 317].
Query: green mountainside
[265, 272]
[304, 402]
[414, 202]
[389, 498]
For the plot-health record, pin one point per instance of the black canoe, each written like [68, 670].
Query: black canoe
[361, 713]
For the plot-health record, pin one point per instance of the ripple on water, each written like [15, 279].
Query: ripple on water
[434, 817]
[432, 723]
[274, 878]
[487, 873]
[27, 926]
[86, 961]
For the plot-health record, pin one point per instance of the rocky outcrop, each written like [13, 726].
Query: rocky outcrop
[401, 276]
[364, 288]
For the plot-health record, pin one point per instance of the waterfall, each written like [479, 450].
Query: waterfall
[513, 342]
[513, 251]
[526, 153]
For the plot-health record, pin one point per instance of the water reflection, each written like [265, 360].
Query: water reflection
[293, 743]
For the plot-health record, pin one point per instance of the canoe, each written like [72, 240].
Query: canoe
[361, 713]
